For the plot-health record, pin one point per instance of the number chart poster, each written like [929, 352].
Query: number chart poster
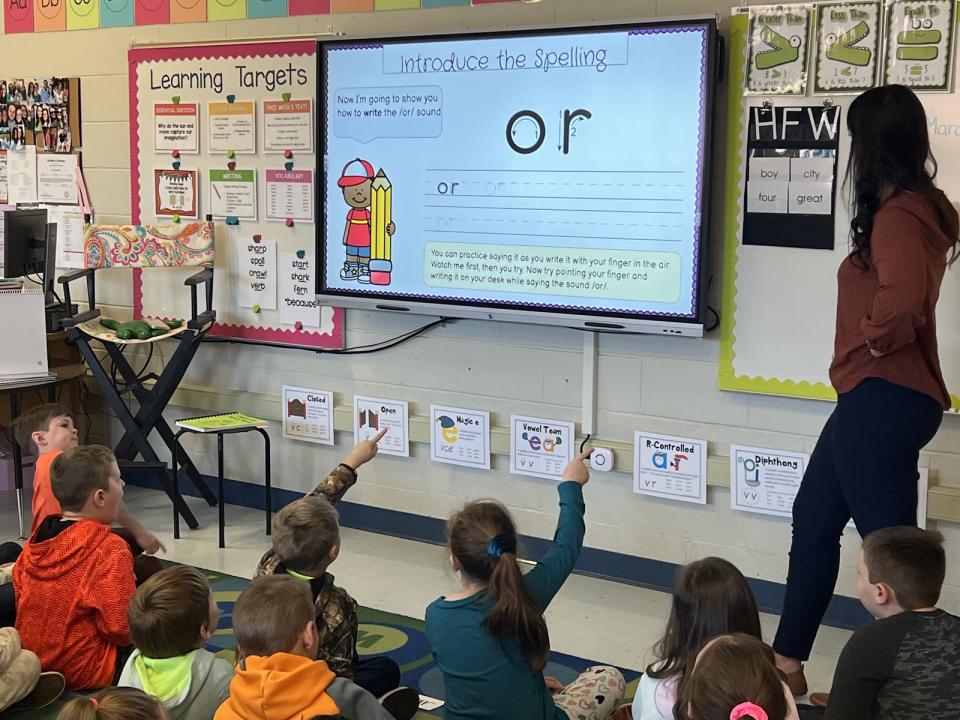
[574, 184]
[226, 76]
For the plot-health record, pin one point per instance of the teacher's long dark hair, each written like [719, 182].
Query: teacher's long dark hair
[890, 153]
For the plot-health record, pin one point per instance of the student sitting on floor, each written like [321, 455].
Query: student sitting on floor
[711, 597]
[75, 577]
[306, 541]
[21, 681]
[171, 617]
[734, 678]
[907, 663]
[50, 430]
[114, 704]
[278, 676]
[490, 640]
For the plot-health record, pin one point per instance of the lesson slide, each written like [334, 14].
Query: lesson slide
[543, 171]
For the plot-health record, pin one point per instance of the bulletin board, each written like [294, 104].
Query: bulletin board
[779, 303]
[230, 131]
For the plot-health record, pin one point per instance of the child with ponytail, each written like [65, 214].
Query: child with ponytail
[734, 678]
[490, 640]
[114, 704]
[711, 597]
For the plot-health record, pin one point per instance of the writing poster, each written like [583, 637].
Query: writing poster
[176, 127]
[233, 193]
[232, 126]
[175, 193]
[288, 125]
[266, 8]
[765, 481]
[670, 467]
[256, 263]
[307, 414]
[920, 42]
[371, 415]
[298, 301]
[791, 176]
[226, 9]
[116, 13]
[540, 448]
[49, 15]
[289, 195]
[779, 39]
[83, 14]
[848, 46]
[185, 11]
[151, 12]
[460, 437]
[18, 16]
[57, 178]
[308, 7]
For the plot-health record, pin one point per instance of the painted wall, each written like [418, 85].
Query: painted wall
[657, 384]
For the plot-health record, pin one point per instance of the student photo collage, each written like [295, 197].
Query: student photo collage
[37, 112]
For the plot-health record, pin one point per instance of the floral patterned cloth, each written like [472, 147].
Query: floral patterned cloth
[168, 245]
[594, 695]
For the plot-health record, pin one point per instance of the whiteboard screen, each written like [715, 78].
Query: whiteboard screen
[551, 172]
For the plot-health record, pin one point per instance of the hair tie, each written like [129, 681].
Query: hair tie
[748, 708]
[95, 703]
[497, 546]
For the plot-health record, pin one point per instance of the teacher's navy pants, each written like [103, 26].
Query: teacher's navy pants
[865, 467]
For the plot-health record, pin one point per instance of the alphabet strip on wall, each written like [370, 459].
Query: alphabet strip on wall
[28, 16]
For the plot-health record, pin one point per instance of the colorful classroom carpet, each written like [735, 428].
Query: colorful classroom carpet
[381, 633]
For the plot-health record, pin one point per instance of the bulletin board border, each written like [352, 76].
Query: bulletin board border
[247, 333]
[728, 379]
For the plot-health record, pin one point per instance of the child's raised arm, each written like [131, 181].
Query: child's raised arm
[344, 475]
[546, 579]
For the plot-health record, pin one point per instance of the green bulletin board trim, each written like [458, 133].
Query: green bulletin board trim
[728, 379]
[733, 180]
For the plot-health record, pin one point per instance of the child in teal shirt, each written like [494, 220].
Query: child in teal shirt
[490, 640]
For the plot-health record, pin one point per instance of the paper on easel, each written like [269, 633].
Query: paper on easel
[69, 222]
[22, 175]
[57, 178]
[256, 263]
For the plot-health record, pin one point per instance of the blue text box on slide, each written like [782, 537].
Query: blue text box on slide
[369, 113]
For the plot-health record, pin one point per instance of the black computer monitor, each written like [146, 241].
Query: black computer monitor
[30, 247]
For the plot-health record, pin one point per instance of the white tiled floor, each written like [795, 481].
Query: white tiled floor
[591, 618]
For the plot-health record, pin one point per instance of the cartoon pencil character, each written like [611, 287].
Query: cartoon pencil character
[359, 232]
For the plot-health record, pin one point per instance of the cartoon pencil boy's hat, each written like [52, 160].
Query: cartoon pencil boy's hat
[349, 179]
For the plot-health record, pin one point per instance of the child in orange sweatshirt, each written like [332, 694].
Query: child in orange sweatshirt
[50, 430]
[75, 577]
[278, 676]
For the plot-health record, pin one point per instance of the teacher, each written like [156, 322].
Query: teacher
[886, 371]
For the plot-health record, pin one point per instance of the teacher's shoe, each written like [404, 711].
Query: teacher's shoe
[796, 681]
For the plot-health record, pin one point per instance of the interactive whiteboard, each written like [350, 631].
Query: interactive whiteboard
[554, 176]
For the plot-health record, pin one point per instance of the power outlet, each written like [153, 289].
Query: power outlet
[601, 459]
